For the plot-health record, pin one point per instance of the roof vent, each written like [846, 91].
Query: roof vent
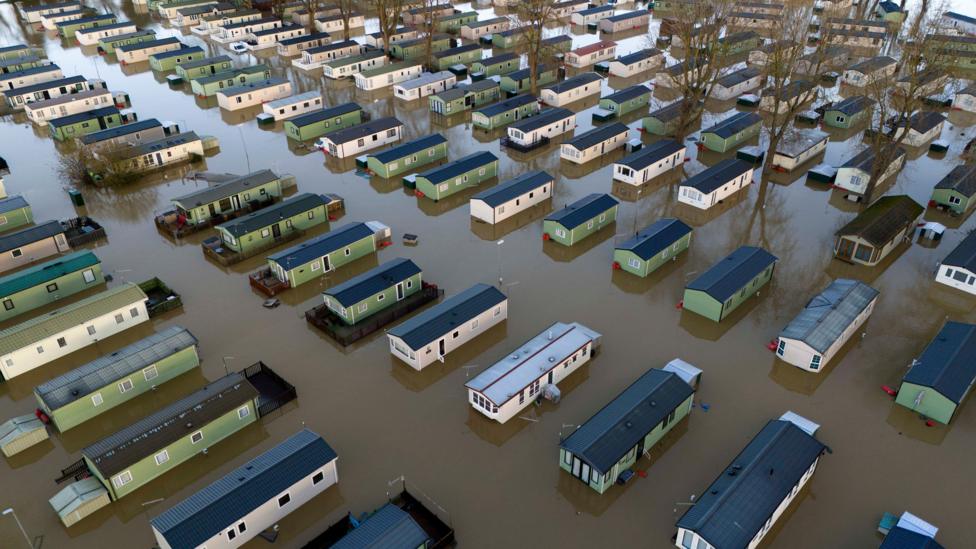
[714, 492]
[515, 356]
[189, 424]
[653, 404]
[552, 359]
[628, 424]
[732, 472]
[74, 392]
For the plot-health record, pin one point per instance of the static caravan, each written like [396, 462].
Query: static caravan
[939, 381]
[532, 371]
[172, 149]
[348, 67]
[665, 120]
[956, 191]
[825, 324]
[45, 283]
[254, 93]
[455, 176]
[505, 112]
[958, 269]
[502, 63]
[924, 127]
[244, 29]
[67, 29]
[765, 22]
[371, 292]
[594, 143]
[511, 197]
[963, 100]
[729, 283]
[295, 105]
[291, 47]
[740, 42]
[269, 38]
[126, 134]
[736, 83]
[14, 212]
[869, 71]
[114, 379]
[626, 100]
[878, 230]
[731, 132]
[257, 231]
[51, 89]
[591, 16]
[855, 174]
[772, 469]
[426, 84]
[318, 123]
[169, 10]
[40, 112]
[324, 253]
[90, 37]
[252, 498]
[538, 130]
[777, 49]
[388, 75]
[572, 89]
[419, 15]
[204, 205]
[430, 335]
[408, 156]
[209, 86]
[138, 52]
[461, 55]
[399, 34]
[76, 125]
[31, 244]
[638, 19]
[635, 63]
[453, 22]
[35, 342]
[30, 77]
[520, 81]
[193, 15]
[465, 97]
[922, 83]
[34, 14]
[849, 112]
[580, 219]
[564, 9]
[167, 60]
[314, 58]
[333, 24]
[796, 93]
[652, 247]
[711, 186]
[585, 56]
[208, 66]
[50, 21]
[508, 39]
[108, 45]
[15, 64]
[416, 48]
[959, 22]
[672, 75]
[823, 60]
[649, 162]
[474, 30]
[213, 24]
[799, 146]
[355, 140]
[856, 38]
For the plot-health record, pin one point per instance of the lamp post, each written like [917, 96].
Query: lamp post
[499, 246]
[10, 511]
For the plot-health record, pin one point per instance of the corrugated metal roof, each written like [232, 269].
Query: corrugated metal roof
[149, 44]
[884, 219]
[353, 133]
[507, 105]
[738, 77]
[828, 314]
[324, 114]
[583, 210]
[176, 53]
[513, 188]
[454, 51]
[83, 116]
[544, 118]
[627, 94]
[902, 538]
[709, 180]
[797, 142]
[321, 245]
[206, 61]
[181, 418]
[740, 501]
[447, 315]
[223, 190]
[31, 331]
[373, 281]
[119, 131]
[629, 15]
[948, 363]
[734, 124]
[617, 428]
[410, 147]
[252, 86]
[458, 167]
[923, 121]
[229, 499]
[730, 274]
[650, 154]
[29, 235]
[86, 379]
[574, 82]
[637, 56]
[961, 179]
[964, 254]
[43, 273]
[653, 239]
[597, 135]
[49, 85]
[873, 64]
[12, 203]
[388, 528]
[264, 217]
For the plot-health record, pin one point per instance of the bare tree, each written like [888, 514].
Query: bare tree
[388, 14]
[347, 8]
[311, 7]
[427, 27]
[532, 16]
[106, 167]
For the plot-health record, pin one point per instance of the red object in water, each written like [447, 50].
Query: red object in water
[889, 390]
[687, 159]
[545, 236]
[420, 194]
[680, 305]
[931, 203]
[42, 416]
[700, 146]
[929, 423]
[642, 474]
[616, 266]
[332, 218]
[772, 345]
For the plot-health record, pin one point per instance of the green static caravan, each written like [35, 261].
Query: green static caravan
[109, 43]
[610, 442]
[558, 44]
[452, 23]
[505, 112]
[627, 100]
[652, 247]
[939, 381]
[408, 156]
[15, 212]
[729, 283]
[891, 12]
[508, 39]
[740, 42]
[950, 43]
[209, 86]
[17, 51]
[663, 121]
[350, 66]
[580, 219]
[445, 180]
[325, 253]
[269, 226]
[731, 132]
[465, 97]
[207, 66]
[496, 65]
[168, 60]
[236, 194]
[374, 290]
[461, 55]
[111, 380]
[483, 91]
[318, 123]
[18, 64]
[849, 113]
[409, 50]
[956, 191]
[48, 282]
[517, 82]
[67, 29]
[69, 127]
[156, 444]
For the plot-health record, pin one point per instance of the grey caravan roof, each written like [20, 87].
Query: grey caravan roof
[583, 210]
[513, 188]
[321, 245]
[961, 179]
[373, 281]
[574, 82]
[267, 216]
[828, 314]
[228, 188]
[597, 135]
[390, 527]
[711, 179]
[435, 322]
[457, 167]
[544, 118]
[350, 134]
[627, 94]
[23, 237]
[734, 124]
[964, 254]
[119, 131]
[731, 273]
[948, 363]
[653, 239]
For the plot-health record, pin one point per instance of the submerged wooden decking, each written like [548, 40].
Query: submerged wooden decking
[324, 319]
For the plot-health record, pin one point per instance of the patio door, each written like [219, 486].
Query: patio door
[440, 348]
[236, 201]
[399, 290]
[581, 470]
[326, 264]
[159, 159]
[276, 231]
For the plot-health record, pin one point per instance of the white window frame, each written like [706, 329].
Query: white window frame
[164, 455]
[150, 373]
[192, 435]
[243, 412]
[125, 385]
[97, 399]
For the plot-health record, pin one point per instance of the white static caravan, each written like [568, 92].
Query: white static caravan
[594, 143]
[511, 197]
[90, 37]
[926, 126]
[30, 77]
[869, 71]
[959, 22]
[399, 34]
[564, 9]
[965, 100]
[631, 64]
[707, 188]
[518, 379]
[854, 175]
[234, 32]
[255, 93]
[169, 10]
[426, 84]
[638, 19]
[827, 322]
[295, 46]
[18, 97]
[34, 14]
[172, 149]
[314, 58]
[958, 269]
[333, 24]
[649, 162]
[593, 53]
[40, 112]
[139, 52]
[799, 146]
[572, 89]
[51, 20]
[40, 340]
[734, 84]
[543, 126]
[592, 15]
[476, 29]
[388, 75]
[262, 40]
[429, 336]
[363, 137]
[295, 105]
[348, 67]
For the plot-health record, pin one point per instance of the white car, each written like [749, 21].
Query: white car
[238, 47]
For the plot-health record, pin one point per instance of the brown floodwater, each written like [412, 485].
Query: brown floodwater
[501, 484]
